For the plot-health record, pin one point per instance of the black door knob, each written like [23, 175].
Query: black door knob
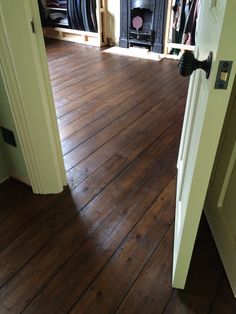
[188, 64]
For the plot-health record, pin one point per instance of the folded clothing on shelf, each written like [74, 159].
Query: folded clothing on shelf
[59, 18]
[53, 3]
[56, 3]
[56, 16]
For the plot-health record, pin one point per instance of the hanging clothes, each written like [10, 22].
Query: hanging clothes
[93, 14]
[86, 20]
[71, 14]
[82, 15]
[178, 23]
[184, 21]
[191, 22]
[174, 30]
[43, 13]
[78, 15]
[179, 20]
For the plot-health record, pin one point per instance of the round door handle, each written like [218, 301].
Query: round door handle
[188, 63]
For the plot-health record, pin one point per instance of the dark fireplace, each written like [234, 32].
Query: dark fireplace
[142, 24]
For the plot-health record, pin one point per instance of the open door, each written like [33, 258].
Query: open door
[206, 107]
[221, 197]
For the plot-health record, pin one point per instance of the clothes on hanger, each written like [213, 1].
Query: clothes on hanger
[191, 22]
[174, 29]
[179, 16]
[82, 15]
[178, 23]
[185, 13]
[43, 13]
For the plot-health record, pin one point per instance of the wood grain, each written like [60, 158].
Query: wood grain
[104, 245]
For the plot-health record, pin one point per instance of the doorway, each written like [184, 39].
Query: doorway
[118, 222]
[105, 103]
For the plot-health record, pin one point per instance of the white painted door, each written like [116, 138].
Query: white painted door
[204, 117]
[221, 197]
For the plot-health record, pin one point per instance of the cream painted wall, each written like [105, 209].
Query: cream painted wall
[113, 20]
[14, 163]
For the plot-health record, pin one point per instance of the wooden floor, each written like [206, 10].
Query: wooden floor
[105, 244]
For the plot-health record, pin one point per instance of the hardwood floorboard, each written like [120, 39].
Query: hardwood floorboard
[152, 290]
[94, 253]
[32, 207]
[91, 187]
[103, 65]
[85, 148]
[130, 144]
[142, 111]
[107, 90]
[128, 92]
[60, 248]
[139, 105]
[7, 202]
[224, 301]
[124, 101]
[99, 82]
[96, 72]
[63, 64]
[104, 245]
[131, 256]
[202, 284]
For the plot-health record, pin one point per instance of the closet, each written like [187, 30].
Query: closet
[82, 21]
[182, 16]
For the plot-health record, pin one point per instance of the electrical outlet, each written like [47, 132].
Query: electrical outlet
[8, 137]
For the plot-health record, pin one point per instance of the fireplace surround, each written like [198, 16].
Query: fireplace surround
[142, 23]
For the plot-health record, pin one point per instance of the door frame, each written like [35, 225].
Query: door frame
[44, 178]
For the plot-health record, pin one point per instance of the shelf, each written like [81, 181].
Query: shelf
[67, 34]
[57, 9]
[61, 25]
[62, 31]
[140, 42]
[76, 32]
[180, 46]
[140, 33]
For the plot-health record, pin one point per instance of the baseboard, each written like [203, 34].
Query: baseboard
[4, 179]
[23, 180]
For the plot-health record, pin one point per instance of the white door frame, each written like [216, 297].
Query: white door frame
[42, 154]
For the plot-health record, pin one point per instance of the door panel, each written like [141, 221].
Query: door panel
[204, 116]
[221, 197]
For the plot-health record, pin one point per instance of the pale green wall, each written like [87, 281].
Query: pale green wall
[113, 20]
[12, 156]
[3, 169]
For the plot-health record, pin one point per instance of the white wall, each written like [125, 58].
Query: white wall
[113, 20]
